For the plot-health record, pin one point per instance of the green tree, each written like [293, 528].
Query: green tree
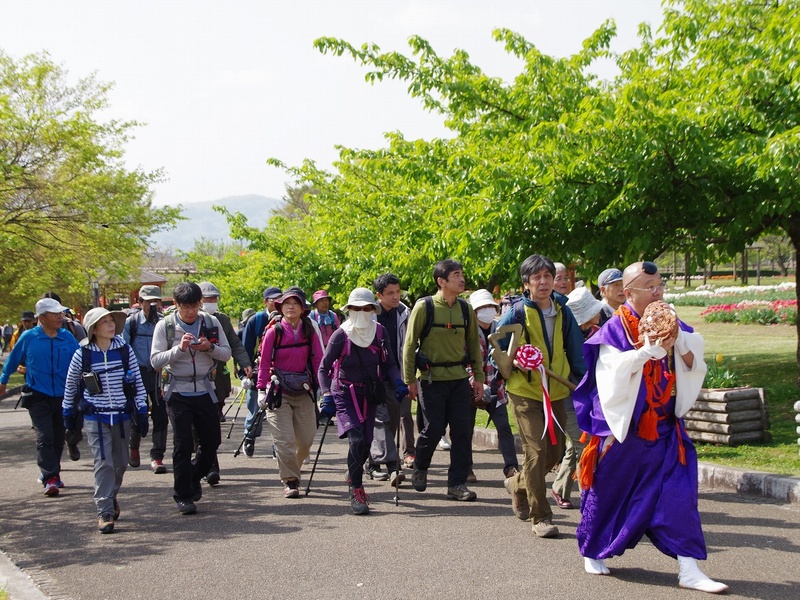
[69, 209]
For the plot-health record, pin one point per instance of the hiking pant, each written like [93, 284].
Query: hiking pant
[407, 433]
[357, 454]
[185, 412]
[446, 403]
[293, 425]
[539, 455]
[45, 413]
[158, 413]
[110, 450]
[564, 482]
[387, 419]
[505, 437]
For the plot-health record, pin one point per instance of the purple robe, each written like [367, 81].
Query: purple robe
[640, 487]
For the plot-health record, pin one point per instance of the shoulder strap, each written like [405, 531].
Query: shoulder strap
[169, 326]
[428, 300]
[133, 326]
[465, 309]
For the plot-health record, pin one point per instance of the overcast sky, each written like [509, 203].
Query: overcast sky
[222, 86]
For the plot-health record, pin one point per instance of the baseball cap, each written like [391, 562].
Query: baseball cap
[27, 315]
[609, 276]
[272, 292]
[46, 305]
[209, 289]
[150, 292]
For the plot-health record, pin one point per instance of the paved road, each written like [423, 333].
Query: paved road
[247, 541]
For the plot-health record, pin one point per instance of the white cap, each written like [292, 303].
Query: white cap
[46, 305]
[480, 298]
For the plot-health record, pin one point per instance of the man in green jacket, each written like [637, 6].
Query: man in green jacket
[550, 326]
[436, 355]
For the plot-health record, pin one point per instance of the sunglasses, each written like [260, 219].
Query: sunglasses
[367, 308]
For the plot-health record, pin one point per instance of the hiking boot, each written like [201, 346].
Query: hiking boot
[105, 523]
[198, 491]
[157, 466]
[519, 498]
[51, 487]
[116, 510]
[359, 501]
[249, 447]
[74, 452]
[419, 480]
[186, 507]
[213, 478]
[471, 477]
[396, 478]
[545, 529]
[292, 489]
[461, 492]
[375, 473]
[134, 459]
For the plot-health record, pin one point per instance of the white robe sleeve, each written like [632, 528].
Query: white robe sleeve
[689, 381]
[618, 375]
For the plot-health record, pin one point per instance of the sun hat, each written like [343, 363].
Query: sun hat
[272, 293]
[92, 317]
[320, 295]
[583, 305]
[49, 305]
[293, 292]
[209, 289]
[247, 313]
[609, 276]
[482, 298]
[362, 297]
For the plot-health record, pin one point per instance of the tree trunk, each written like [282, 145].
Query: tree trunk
[744, 266]
[793, 230]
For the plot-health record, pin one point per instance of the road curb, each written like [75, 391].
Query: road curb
[730, 479]
[18, 584]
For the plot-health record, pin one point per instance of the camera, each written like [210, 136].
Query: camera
[195, 342]
[92, 383]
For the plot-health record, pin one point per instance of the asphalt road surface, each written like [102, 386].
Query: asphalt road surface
[247, 541]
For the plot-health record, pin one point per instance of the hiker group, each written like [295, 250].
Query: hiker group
[597, 392]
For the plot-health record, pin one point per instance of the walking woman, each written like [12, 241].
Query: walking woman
[104, 384]
[357, 361]
[291, 353]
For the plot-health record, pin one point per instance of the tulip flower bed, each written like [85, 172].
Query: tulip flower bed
[710, 295]
[759, 312]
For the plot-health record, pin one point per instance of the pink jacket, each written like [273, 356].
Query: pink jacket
[291, 353]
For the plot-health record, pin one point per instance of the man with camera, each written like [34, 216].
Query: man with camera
[186, 343]
[46, 350]
[138, 332]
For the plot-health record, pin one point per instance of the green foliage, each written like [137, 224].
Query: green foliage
[720, 374]
[70, 212]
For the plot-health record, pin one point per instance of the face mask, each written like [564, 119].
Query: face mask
[486, 315]
[360, 319]
[210, 307]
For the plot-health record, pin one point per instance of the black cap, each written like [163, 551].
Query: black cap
[272, 292]
[28, 315]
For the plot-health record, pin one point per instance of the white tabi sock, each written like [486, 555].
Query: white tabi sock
[691, 577]
[595, 567]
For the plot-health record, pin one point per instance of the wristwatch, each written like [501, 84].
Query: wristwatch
[211, 347]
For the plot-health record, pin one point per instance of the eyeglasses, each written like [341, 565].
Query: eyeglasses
[653, 289]
[367, 308]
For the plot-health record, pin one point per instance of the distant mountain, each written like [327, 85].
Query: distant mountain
[202, 221]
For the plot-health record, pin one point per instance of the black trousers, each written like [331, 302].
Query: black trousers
[45, 413]
[185, 412]
[444, 403]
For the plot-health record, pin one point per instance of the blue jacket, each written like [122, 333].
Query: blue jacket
[46, 360]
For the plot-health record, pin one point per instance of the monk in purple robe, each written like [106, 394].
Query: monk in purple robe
[639, 471]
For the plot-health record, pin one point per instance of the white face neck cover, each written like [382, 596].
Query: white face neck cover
[360, 327]
[210, 307]
[486, 314]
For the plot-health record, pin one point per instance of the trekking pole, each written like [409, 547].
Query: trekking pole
[397, 468]
[240, 397]
[254, 425]
[314, 468]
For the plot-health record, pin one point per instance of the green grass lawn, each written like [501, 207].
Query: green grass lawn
[763, 356]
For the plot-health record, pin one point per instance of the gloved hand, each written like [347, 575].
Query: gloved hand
[262, 399]
[649, 351]
[142, 423]
[400, 389]
[327, 407]
[70, 421]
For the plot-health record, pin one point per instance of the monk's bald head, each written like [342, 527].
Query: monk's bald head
[636, 270]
